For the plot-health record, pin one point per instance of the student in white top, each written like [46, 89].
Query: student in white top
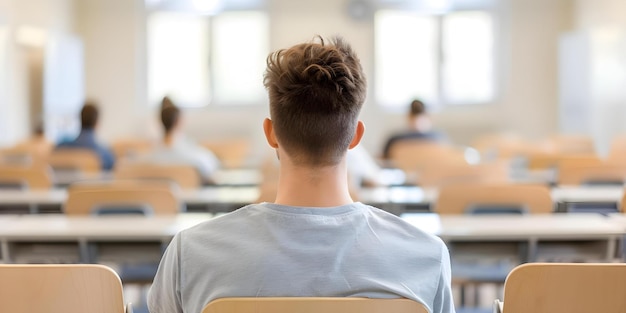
[176, 150]
[313, 240]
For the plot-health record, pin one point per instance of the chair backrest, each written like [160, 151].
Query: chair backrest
[75, 159]
[411, 156]
[186, 176]
[30, 177]
[573, 144]
[575, 174]
[154, 197]
[618, 149]
[439, 175]
[232, 152]
[566, 288]
[544, 160]
[313, 305]
[60, 288]
[623, 203]
[458, 198]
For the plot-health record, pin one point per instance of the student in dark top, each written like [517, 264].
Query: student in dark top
[420, 128]
[87, 137]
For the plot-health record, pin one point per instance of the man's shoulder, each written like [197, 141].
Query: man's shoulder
[222, 222]
[402, 228]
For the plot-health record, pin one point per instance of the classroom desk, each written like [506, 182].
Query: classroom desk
[588, 193]
[39, 238]
[395, 199]
[537, 234]
[486, 248]
[222, 177]
[208, 198]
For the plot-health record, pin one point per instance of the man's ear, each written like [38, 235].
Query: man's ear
[270, 136]
[358, 135]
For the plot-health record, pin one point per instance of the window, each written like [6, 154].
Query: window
[199, 60]
[443, 59]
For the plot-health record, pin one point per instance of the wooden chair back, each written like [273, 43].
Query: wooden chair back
[313, 305]
[412, 156]
[458, 198]
[26, 153]
[156, 196]
[618, 150]
[623, 203]
[30, 177]
[186, 176]
[503, 146]
[82, 160]
[539, 161]
[573, 144]
[566, 288]
[60, 288]
[441, 175]
[233, 153]
[578, 174]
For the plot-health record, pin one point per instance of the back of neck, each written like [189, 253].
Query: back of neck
[321, 187]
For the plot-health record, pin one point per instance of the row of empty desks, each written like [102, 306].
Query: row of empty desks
[68, 239]
[222, 177]
[394, 199]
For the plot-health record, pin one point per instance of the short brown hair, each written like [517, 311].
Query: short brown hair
[89, 115]
[169, 117]
[316, 91]
[417, 108]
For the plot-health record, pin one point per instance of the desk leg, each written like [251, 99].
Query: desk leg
[611, 249]
[83, 249]
[4, 247]
[532, 249]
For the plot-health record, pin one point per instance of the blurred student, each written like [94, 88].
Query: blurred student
[176, 150]
[313, 241]
[87, 137]
[420, 127]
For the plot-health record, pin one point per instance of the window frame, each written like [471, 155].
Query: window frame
[210, 19]
[442, 100]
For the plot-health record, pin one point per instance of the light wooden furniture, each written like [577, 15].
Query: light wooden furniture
[576, 174]
[618, 149]
[572, 144]
[75, 159]
[412, 156]
[544, 160]
[501, 146]
[536, 232]
[566, 288]
[232, 152]
[458, 198]
[156, 197]
[186, 176]
[30, 152]
[60, 288]
[29, 177]
[438, 175]
[313, 305]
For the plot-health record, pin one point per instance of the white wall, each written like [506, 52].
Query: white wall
[49, 16]
[114, 37]
[603, 24]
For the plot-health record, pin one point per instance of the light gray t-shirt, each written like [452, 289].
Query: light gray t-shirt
[269, 250]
